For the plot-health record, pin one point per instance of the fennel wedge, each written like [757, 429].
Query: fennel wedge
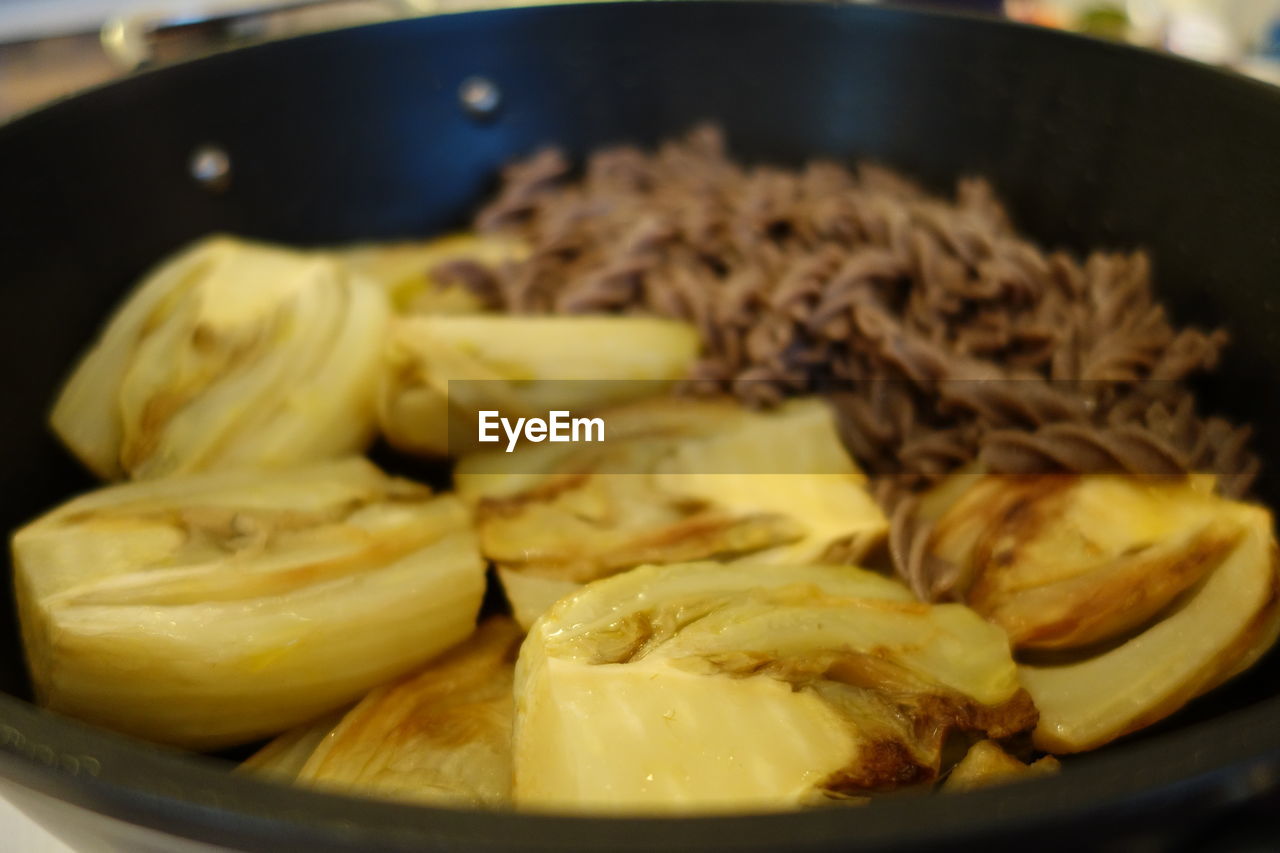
[1064, 562]
[407, 270]
[441, 735]
[677, 480]
[1222, 626]
[214, 609]
[230, 354]
[986, 765]
[708, 687]
[1149, 590]
[443, 370]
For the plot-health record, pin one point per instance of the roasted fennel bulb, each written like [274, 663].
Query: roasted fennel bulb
[214, 609]
[407, 270]
[230, 354]
[283, 758]
[1064, 562]
[1131, 595]
[677, 480]
[709, 687]
[441, 735]
[443, 370]
[1219, 629]
[986, 765]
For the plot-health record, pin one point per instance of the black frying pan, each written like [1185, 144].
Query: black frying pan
[362, 134]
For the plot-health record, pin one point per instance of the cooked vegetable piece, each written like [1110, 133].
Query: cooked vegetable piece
[230, 354]
[986, 765]
[531, 595]
[1065, 562]
[1150, 590]
[214, 609]
[521, 367]
[283, 758]
[677, 480]
[407, 270]
[1217, 629]
[709, 687]
[441, 735]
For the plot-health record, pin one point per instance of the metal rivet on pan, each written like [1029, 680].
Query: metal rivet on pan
[479, 97]
[211, 167]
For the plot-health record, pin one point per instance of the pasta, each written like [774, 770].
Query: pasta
[942, 334]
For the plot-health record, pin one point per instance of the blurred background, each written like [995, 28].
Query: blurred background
[49, 48]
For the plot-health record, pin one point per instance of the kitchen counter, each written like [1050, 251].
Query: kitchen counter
[22, 833]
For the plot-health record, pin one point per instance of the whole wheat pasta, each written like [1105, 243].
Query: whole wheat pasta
[946, 335]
